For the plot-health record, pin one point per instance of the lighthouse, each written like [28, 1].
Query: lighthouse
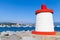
[44, 22]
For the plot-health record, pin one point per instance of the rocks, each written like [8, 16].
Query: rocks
[27, 35]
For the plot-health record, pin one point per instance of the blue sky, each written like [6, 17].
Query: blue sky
[23, 11]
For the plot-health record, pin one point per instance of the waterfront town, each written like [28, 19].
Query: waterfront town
[15, 24]
[10, 24]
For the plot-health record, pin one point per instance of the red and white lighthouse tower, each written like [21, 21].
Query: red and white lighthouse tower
[44, 21]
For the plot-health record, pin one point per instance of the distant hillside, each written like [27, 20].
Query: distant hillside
[10, 23]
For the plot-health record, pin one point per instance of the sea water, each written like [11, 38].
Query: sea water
[56, 28]
[16, 28]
